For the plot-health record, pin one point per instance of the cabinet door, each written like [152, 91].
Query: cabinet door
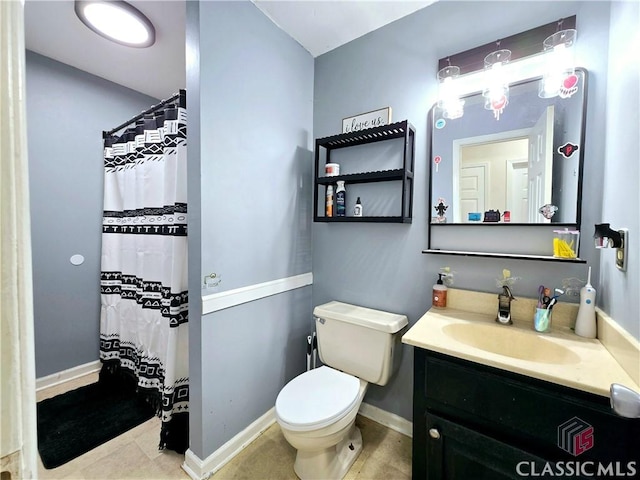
[458, 453]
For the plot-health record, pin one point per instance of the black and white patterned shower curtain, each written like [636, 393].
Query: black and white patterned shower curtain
[143, 323]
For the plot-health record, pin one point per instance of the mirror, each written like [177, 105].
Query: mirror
[523, 168]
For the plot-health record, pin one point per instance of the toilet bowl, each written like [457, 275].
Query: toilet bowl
[317, 410]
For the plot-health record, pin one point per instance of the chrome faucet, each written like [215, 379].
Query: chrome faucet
[504, 306]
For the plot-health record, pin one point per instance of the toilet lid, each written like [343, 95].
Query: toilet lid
[317, 398]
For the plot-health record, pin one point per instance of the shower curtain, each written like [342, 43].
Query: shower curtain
[144, 314]
[18, 436]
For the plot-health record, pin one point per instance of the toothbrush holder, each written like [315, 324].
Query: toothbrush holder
[542, 320]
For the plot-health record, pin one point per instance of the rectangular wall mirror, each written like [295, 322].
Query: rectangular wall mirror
[527, 163]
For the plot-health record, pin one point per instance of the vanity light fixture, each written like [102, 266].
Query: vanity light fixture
[448, 95]
[559, 64]
[117, 21]
[605, 236]
[496, 90]
[517, 57]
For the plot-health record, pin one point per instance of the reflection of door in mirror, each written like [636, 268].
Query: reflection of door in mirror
[472, 190]
[490, 173]
[518, 189]
[540, 165]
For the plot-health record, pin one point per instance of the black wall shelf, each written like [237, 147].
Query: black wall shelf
[399, 130]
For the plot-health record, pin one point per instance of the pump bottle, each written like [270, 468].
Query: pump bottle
[439, 296]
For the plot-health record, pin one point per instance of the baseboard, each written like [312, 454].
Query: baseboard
[66, 375]
[201, 469]
[388, 419]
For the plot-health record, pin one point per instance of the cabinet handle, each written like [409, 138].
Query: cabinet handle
[434, 433]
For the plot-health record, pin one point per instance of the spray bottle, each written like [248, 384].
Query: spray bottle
[341, 199]
[329, 202]
[586, 320]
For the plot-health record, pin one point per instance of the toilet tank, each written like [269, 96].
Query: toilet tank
[360, 341]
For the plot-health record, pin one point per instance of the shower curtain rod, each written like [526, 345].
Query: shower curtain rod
[181, 96]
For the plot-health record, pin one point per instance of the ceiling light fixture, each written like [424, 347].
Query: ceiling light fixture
[117, 21]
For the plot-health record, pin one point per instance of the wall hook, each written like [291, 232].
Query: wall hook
[605, 236]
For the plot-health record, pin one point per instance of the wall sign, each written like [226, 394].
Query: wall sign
[375, 118]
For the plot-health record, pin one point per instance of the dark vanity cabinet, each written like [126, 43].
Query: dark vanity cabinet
[472, 422]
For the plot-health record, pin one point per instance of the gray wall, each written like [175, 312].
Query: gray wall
[619, 290]
[381, 265]
[255, 121]
[67, 109]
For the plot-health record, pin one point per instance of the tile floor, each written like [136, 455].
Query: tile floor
[134, 455]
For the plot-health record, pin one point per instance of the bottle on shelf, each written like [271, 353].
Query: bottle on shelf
[357, 210]
[341, 199]
[329, 204]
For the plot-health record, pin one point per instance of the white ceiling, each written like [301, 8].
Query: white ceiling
[53, 29]
[321, 26]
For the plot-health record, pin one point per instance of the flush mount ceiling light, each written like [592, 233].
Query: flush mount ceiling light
[117, 21]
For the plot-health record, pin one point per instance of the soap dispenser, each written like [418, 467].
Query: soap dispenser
[439, 296]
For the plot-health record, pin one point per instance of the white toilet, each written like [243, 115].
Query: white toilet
[317, 410]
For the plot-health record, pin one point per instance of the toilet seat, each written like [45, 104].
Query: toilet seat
[316, 399]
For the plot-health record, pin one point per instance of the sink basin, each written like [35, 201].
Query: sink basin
[510, 342]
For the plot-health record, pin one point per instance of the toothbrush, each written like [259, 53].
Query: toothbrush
[554, 299]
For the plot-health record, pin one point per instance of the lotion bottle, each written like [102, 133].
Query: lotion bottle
[586, 320]
[439, 295]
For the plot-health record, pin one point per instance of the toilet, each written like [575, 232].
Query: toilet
[317, 410]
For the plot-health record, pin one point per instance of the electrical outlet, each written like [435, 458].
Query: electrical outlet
[621, 252]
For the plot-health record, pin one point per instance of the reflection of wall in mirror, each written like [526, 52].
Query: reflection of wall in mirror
[524, 109]
[505, 177]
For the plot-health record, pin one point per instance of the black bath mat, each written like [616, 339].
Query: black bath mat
[77, 421]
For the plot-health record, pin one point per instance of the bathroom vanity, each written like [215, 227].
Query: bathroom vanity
[497, 402]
